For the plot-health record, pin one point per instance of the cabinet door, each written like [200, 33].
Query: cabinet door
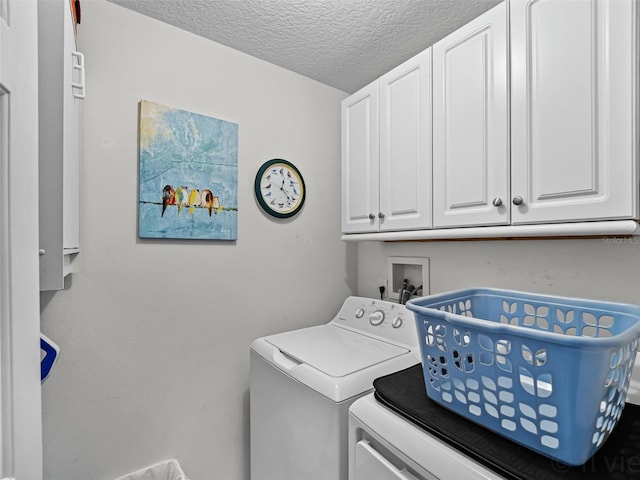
[405, 145]
[59, 68]
[470, 124]
[574, 109]
[360, 204]
[71, 111]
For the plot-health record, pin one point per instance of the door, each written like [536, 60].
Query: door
[470, 124]
[360, 149]
[20, 406]
[405, 145]
[574, 110]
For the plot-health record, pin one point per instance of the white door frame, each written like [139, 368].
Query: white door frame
[20, 401]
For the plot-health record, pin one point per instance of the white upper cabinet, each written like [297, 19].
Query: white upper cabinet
[360, 194]
[386, 151]
[470, 124]
[574, 81]
[535, 129]
[405, 145]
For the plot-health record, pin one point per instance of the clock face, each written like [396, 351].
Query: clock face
[279, 188]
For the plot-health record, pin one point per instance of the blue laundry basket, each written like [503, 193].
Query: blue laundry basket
[549, 373]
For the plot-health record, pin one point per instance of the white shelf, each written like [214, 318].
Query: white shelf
[582, 229]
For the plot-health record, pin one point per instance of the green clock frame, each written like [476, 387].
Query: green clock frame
[279, 188]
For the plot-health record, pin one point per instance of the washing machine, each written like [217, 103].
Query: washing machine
[302, 383]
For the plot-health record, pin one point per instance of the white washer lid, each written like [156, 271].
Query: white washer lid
[333, 350]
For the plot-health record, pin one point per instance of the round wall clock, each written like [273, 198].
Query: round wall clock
[279, 188]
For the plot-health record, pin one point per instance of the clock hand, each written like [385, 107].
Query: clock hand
[287, 194]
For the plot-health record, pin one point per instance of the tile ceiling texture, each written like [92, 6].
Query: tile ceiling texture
[342, 43]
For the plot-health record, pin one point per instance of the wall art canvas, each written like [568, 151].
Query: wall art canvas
[188, 175]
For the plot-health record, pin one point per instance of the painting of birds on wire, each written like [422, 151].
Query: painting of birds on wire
[188, 175]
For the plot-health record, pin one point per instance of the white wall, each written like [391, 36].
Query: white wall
[597, 268]
[604, 269]
[155, 335]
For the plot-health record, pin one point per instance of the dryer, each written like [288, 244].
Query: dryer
[398, 433]
[302, 383]
[385, 446]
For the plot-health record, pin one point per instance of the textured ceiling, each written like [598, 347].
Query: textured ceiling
[342, 43]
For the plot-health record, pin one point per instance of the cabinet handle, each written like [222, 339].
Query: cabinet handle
[372, 216]
[79, 86]
[380, 215]
[497, 202]
[517, 201]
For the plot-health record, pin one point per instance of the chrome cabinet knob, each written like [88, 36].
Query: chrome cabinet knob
[517, 201]
[372, 216]
[497, 202]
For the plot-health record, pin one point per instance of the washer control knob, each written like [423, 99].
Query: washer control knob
[396, 322]
[376, 318]
[359, 313]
